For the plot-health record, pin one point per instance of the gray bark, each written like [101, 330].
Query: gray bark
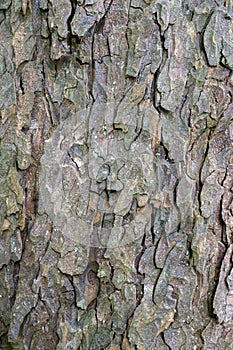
[116, 174]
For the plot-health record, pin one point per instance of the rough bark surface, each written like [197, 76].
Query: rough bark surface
[116, 174]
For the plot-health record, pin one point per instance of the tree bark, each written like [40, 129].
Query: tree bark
[116, 174]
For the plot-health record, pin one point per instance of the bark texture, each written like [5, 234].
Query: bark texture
[116, 174]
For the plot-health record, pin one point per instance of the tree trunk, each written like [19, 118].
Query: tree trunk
[116, 174]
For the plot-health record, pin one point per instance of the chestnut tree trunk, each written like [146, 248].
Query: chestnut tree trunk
[116, 174]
